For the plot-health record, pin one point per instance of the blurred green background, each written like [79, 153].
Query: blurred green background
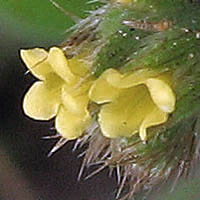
[25, 171]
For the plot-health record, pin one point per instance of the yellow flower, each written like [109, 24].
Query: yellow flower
[61, 92]
[125, 2]
[131, 102]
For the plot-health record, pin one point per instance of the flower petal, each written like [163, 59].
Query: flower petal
[124, 1]
[41, 101]
[60, 65]
[71, 125]
[156, 117]
[78, 66]
[128, 80]
[162, 94]
[36, 61]
[75, 103]
[123, 117]
[101, 91]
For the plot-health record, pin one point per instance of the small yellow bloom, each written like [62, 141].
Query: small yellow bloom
[132, 102]
[125, 2]
[61, 92]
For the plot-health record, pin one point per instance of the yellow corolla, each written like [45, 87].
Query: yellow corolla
[61, 92]
[132, 102]
[123, 1]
